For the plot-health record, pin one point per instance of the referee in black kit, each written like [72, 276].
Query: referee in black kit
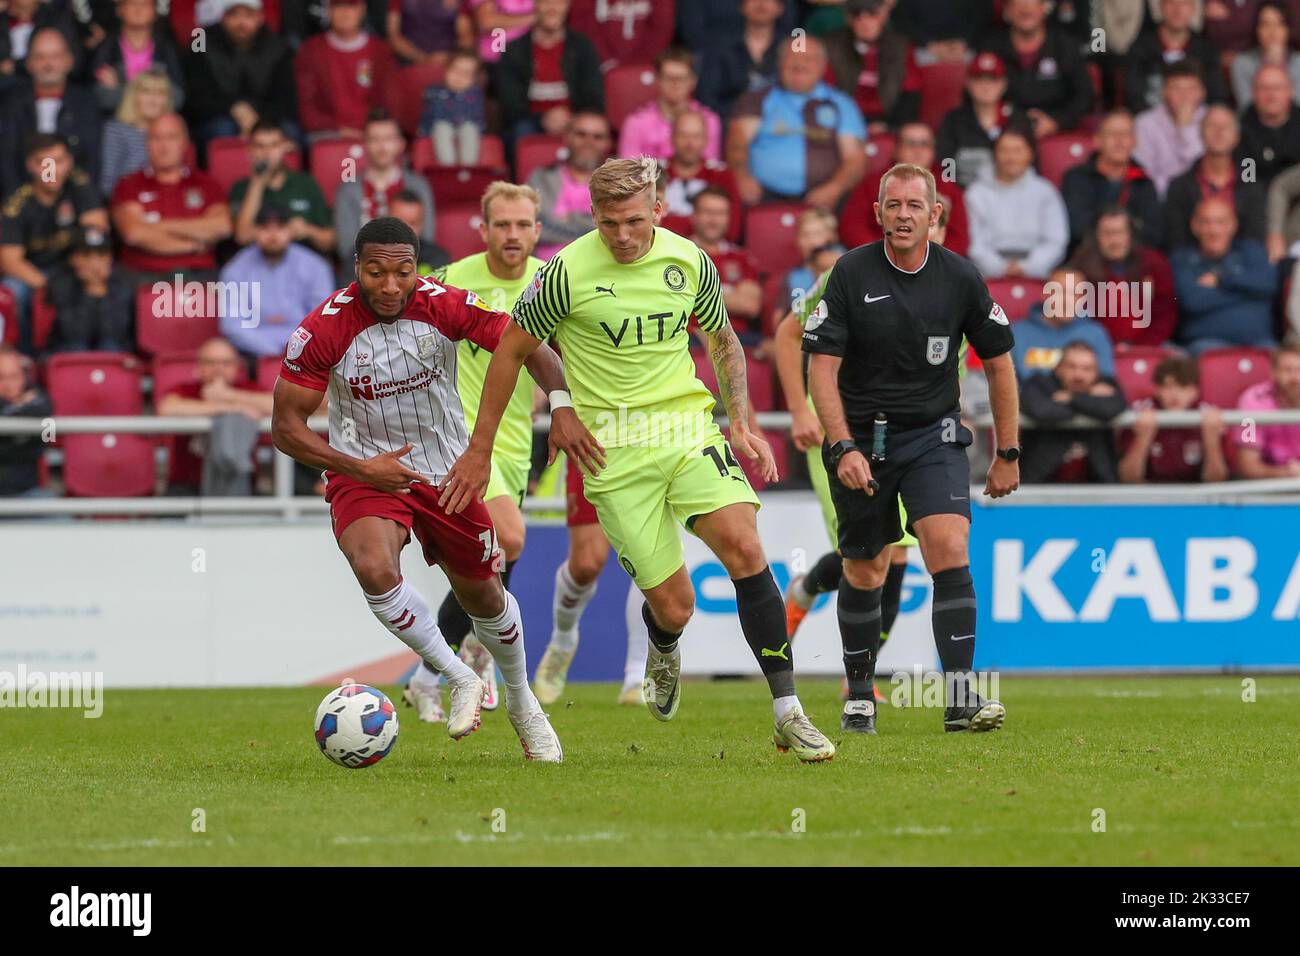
[884, 347]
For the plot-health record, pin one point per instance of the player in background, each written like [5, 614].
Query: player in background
[510, 230]
[385, 350]
[619, 301]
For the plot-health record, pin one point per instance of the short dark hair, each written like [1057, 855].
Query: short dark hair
[716, 192]
[40, 142]
[1078, 345]
[407, 195]
[386, 231]
[265, 126]
[1184, 67]
[462, 54]
[1181, 368]
[381, 115]
[675, 54]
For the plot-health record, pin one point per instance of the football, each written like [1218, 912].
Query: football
[356, 726]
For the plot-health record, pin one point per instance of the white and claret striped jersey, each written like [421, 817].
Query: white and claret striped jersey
[393, 382]
[622, 332]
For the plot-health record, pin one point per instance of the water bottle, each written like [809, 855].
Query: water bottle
[878, 437]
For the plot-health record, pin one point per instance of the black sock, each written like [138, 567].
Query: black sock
[859, 614]
[953, 615]
[825, 574]
[665, 641]
[762, 619]
[891, 597]
[505, 575]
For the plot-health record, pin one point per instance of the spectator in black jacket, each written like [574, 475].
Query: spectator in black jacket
[703, 23]
[1270, 127]
[547, 75]
[874, 64]
[1217, 173]
[24, 18]
[244, 76]
[1046, 74]
[1111, 176]
[20, 455]
[94, 304]
[139, 31]
[1073, 455]
[968, 133]
[742, 60]
[48, 103]
[1171, 41]
[944, 28]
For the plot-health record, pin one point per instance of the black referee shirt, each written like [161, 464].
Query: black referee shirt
[900, 334]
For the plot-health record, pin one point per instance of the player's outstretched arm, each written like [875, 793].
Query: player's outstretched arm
[294, 404]
[729, 364]
[1004, 397]
[823, 385]
[806, 430]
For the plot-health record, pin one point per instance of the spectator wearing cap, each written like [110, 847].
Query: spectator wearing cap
[93, 302]
[875, 64]
[1272, 451]
[48, 103]
[801, 140]
[271, 181]
[138, 42]
[967, 134]
[1270, 127]
[1051, 325]
[20, 455]
[1169, 135]
[39, 220]
[625, 33]
[1225, 286]
[742, 57]
[688, 173]
[1172, 40]
[409, 207]
[1150, 453]
[738, 272]
[1046, 74]
[1111, 176]
[123, 151]
[290, 281]
[648, 131]
[245, 75]
[168, 216]
[342, 75]
[1216, 175]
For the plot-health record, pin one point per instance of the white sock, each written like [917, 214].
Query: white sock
[799, 594]
[503, 636]
[568, 604]
[785, 705]
[404, 612]
[638, 644]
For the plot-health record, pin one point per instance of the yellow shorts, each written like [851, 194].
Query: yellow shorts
[509, 479]
[646, 492]
[821, 485]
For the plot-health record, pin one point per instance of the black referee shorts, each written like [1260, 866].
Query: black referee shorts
[932, 475]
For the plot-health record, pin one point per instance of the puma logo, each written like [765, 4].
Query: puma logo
[780, 652]
[610, 290]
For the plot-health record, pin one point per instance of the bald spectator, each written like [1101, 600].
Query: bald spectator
[647, 131]
[20, 455]
[915, 145]
[1270, 127]
[1225, 286]
[688, 173]
[48, 103]
[1273, 32]
[342, 74]
[876, 65]
[1112, 176]
[737, 269]
[1169, 135]
[565, 201]
[1272, 451]
[1217, 174]
[168, 216]
[967, 134]
[1151, 453]
[625, 33]
[739, 58]
[801, 140]
[1173, 40]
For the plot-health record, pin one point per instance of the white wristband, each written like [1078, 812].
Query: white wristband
[560, 399]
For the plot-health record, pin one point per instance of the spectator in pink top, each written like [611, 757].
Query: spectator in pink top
[565, 200]
[515, 17]
[648, 131]
[1272, 451]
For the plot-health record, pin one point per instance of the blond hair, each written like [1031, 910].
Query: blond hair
[823, 216]
[620, 179]
[157, 79]
[905, 171]
[509, 191]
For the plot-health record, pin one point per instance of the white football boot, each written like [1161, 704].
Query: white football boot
[466, 705]
[424, 693]
[536, 735]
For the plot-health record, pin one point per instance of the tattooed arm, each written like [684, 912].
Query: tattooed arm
[729, 364]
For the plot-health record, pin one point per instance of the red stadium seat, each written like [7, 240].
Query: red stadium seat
[163, 325]
[1226, 373]
[95, 383]
[1059, 153]
[1016, 296]
[1134, 367]
[42, 318]
[759, 375]
[457, 227]
[459, 184]
[628, 87]
[9, 315]
[942, 85]
[880, 153]
[770, 232]
[534, 151]
[492, 154]
[268, 370]
[108, 466]
[171, 370]
[405, 97]
[327, 159]
[228, 160]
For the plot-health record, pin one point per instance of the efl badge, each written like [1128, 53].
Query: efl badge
[936, 349]
[534, 287]
[297, 342]
[997, 315]
[818, 316]
[473, 300]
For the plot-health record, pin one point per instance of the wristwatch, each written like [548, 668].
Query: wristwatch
[840, 449]
[1009, 454]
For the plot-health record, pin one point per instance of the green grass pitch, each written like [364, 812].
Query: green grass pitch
[1184, 770]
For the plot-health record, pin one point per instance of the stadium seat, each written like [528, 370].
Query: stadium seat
[9, 315]
[942, 85]
[457, 228]
[228, 160]
[770, 235]
[1016, 296]
[173, 369]
[405, 97]
[628, 87]
[327, 157]
[108, 466]
[880, 153]
[1226, 373]
[534, 151]
[95, 383]
[1133, 369]
[42, 317]
[163, 326]
[1059, 153]
[492, 154]
[459, 184]
[759, 375]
